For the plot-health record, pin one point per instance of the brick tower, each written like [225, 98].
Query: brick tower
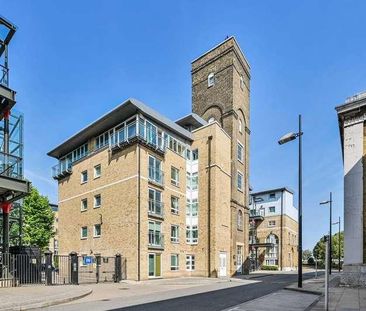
[220, 92]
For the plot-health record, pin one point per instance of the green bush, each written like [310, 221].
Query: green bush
[272, 268]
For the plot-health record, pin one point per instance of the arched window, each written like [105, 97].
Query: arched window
[240, 220]
[211, 79]
[240, 126]
[272, 251]
[211, 120]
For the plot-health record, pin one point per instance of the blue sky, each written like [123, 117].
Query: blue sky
[72, 61]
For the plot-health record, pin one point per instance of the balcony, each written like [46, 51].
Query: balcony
[156, 209]
[62, 169]
[156, 176]
[156, 240]
[256, 214]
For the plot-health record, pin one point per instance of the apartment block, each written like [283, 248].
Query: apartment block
[352, 128]
[273, 236]
[171, 197]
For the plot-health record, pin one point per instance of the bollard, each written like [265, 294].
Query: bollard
[48, 267]
[118, 268]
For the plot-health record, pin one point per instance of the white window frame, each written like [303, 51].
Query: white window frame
[174, 209]
[190, 239]
[173, 181]
[240, 156]
[269, 209]
[242, 181]
[174, 239]
[81, 233]
[190, 262]
[95, 171]
[95, 200]
[176, 267]
[82, 208]
[94, 231]
[82, 174]
[211, 79]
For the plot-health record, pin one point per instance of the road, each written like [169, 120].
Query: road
[221, 299]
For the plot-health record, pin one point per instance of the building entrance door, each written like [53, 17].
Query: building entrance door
[222, 271]
[239, 259]
[154, 265]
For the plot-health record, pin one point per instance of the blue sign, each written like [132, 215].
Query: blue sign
[87, 260]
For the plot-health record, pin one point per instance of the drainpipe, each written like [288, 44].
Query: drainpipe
[209, 205]
[281, 232]
[138, 211]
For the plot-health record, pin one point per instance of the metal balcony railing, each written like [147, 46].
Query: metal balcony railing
[156, 175]
[62, 168]
[156, 240]
[11, 166]
[257, 213]
[156, 208]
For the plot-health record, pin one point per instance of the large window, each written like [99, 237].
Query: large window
[155, 172]
[97, 171]
[155, 236]
[97, 230]
[174, 174]
[174, 262]
[192, 207]
[174, 205]
[102, 140]
[174, 234]
[155, 202]
[240, 152]
[97, 201]
[190, 262]
[84, 205]
[272, 252]
[240, 220]
[84, 232]
[84, 177]
[240, 181]
[192, 234]
[192, 181]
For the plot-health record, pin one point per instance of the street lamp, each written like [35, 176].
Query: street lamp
[330, 230]
[285, 139]
[339, 242]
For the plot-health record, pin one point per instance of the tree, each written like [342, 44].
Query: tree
[319, 249]
[38, 220]
[306, 254]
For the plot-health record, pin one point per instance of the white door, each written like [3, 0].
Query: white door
[239, 261]
[222, 271]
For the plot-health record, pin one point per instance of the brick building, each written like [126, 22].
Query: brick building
[171, 197]
[273, 237]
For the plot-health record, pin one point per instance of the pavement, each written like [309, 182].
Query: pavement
[39, 296]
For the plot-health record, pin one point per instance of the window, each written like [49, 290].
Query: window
[211, 79]
[84, 232]
[102, 140]
[240, 152]
[97, 171]
[155, 236]
[84, 177]
[174, 262]
[155, 202]
[272, 209]
[195, 155]
[174, 174]
[84, 204]
[192, 207]
[190, 262]
[272, 195]
[155, 173]
[241, 82]
[174, 205]
[240, 181]
[240, 126]
[97, 201]
[240, 220]
[174, 234]
[192, 234]
[271, 223]
[192, 181]
[97, 230]
[272, 252]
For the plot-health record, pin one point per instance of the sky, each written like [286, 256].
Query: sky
[72, 61]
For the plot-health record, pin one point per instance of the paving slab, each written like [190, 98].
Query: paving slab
[32, 297]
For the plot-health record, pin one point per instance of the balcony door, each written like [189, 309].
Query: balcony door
[154, 265]
[239, 260]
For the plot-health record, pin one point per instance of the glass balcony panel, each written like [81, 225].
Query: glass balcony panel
[131, 130]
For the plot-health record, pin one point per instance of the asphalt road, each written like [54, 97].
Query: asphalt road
[221, 299]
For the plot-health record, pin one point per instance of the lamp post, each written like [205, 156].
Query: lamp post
[285, 139]
[339, 242]
[330, 230]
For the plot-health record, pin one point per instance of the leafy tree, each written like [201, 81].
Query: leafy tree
[38, 220]
[319, 249]
[306, 254]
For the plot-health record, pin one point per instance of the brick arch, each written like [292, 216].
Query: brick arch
[242, 117]
[214, 111]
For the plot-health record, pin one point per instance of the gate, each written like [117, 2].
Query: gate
[95, 269]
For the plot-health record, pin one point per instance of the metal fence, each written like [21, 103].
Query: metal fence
[50, 269]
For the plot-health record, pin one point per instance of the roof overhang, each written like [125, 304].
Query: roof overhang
[122, 112]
